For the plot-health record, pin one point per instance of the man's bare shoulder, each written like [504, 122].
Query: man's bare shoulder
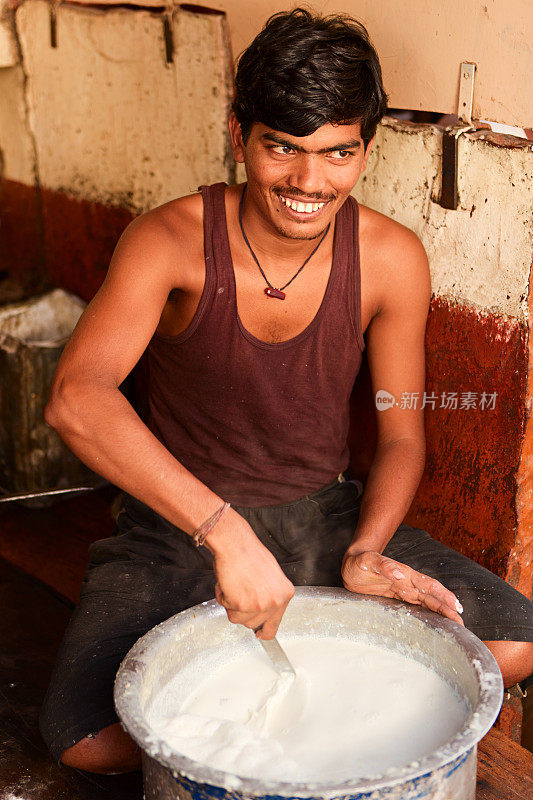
[386, 237]
[166, 242]
[393, 258]
[172, 224]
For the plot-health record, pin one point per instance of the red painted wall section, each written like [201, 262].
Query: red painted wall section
[79, 239]
[21, 232]
[53, 239]
[467, 494]
[520, 567]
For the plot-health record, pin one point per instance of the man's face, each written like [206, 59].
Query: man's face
[298, 183]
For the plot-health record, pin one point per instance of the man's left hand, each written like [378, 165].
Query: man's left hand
[369, 572]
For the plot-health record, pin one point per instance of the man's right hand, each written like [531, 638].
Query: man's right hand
[250, 583]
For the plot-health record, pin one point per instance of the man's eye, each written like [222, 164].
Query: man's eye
[283, 149]
[341, 155]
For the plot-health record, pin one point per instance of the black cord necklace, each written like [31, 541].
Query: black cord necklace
[271, 291]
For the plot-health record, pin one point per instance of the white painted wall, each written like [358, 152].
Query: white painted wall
[8, 44]
[479, 254]
[112, 121]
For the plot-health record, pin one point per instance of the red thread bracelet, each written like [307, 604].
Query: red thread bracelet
[199, 536]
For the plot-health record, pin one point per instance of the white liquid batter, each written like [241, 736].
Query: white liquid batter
[354, 710]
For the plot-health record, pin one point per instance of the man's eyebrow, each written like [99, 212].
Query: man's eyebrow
[352, 144]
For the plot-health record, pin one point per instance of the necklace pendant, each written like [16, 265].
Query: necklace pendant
[272, 292]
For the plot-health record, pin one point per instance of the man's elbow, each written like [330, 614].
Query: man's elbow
[63, 409]
[51, 414]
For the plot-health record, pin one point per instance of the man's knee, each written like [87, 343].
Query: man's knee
[515, 660]
[108, 752]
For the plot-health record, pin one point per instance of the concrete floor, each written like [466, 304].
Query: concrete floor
[33, 620]
[43, 552]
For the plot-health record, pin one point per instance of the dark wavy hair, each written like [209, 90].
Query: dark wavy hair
[305, 70]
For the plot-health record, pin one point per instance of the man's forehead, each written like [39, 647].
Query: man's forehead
[327, 136]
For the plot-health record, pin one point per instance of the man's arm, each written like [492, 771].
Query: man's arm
[395, 348]
[101, 427]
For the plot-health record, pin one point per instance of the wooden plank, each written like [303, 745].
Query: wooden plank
[505, 770]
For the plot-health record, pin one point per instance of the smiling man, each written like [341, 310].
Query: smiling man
[253, 305]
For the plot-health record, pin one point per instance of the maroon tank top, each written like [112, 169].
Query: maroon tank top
[259, 423]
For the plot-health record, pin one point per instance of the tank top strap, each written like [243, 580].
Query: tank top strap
[349, 267]
[217, 257]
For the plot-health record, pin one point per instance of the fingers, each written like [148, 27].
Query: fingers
[393, 570]
[434, 604]
[270, 627]
[264, 623]
[249, 619]
[411, 586]
[239, 617]
[447, 602]
[430, 593]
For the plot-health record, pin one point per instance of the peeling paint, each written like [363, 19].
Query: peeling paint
[130, 129]
[479, 254]
[9, 53]
[15, 138]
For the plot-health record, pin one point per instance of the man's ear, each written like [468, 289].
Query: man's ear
[237, 144]
[367, 153]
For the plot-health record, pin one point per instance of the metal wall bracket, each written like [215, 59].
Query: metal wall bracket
[450, 138]
[53, 26]
[466, 92]
[449, 197]
[168, 37]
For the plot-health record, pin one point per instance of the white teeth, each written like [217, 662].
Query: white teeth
[302, 208]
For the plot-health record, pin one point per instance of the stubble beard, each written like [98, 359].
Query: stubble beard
[298, 235]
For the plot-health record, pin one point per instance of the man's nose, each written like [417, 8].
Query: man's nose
[307, 175]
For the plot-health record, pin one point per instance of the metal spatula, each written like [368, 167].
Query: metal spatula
[277, 655]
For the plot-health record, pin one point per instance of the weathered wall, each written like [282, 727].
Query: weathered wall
[476, 490]
[422, 44]
[110, 122]
[9, 54]
[21, 245]
[132, 130]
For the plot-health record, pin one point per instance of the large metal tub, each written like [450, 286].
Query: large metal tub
[32, 336]
[189, 642]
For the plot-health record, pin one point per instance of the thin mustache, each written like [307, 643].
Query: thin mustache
[312, 199]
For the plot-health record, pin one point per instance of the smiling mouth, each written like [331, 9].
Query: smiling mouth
[301, 208]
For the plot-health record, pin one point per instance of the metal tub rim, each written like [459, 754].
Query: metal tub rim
[452, 754]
